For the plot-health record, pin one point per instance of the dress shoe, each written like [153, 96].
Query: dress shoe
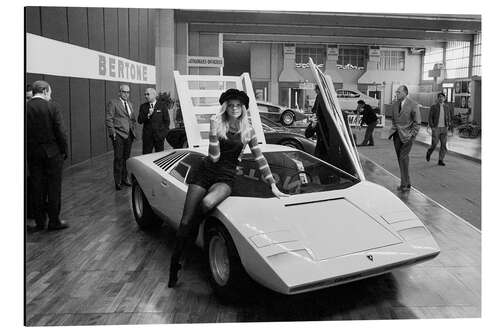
[118, 187]
[405, 188]
[370, 144]
[172, 279]
[428, 156]
[126, 183]
[34, 228]
[57, 226]
[440, 162]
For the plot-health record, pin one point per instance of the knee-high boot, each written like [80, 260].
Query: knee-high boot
[175, 265]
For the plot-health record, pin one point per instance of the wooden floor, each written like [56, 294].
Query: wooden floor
[104, 270]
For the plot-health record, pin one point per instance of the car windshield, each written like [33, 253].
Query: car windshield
[295, 172]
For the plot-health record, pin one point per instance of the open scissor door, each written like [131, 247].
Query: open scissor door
[339, 130]
[199, 100]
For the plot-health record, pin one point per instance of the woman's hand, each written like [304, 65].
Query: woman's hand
[277, 193]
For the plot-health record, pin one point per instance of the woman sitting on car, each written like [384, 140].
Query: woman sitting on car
[212, 180]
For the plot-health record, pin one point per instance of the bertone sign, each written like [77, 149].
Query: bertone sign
[63, 59]
[205, 61]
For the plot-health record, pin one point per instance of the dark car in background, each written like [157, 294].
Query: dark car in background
[273, 132]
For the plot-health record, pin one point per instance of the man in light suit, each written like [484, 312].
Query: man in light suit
[154, 116]
[120, 122]
[439, 121]
[405, 124]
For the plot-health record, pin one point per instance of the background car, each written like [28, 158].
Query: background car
[286, 116]
[348, 99]
[273, 132]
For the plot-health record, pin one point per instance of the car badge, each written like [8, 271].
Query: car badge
[370, 257]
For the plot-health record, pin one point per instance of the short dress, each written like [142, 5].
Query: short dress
[207, 173]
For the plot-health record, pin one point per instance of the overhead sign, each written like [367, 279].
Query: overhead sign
[63, 59]
[205, 61]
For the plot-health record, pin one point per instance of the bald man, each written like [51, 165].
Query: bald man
[405, 126]
[120, 122]
[155, 119]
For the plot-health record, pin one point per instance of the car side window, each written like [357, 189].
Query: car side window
[262, 107]
[184, 166]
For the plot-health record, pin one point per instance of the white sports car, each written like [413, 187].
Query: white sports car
[335, 227]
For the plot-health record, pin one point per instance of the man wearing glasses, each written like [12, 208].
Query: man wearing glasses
[120, 122]
[154, 116]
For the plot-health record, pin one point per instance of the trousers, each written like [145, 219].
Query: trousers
[403, 154]
[121, 148]
[439, 134]
[46, 181]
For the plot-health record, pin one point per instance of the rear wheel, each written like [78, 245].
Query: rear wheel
[227, 274]
[143, 213]
[287, 117]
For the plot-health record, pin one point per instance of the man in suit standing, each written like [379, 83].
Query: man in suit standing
[405, 124]
[439, 120]
[156, 122]
[47, 149]
[120, 122]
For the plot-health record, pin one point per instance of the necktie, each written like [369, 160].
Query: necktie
[399, 107]
[151, 106]
[126, 107]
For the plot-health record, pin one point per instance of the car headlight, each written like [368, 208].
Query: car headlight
[413, 233]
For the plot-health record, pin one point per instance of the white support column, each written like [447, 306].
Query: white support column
[164, 52]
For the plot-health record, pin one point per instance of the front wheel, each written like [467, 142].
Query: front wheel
[287, 117]
[227, 274]
[143, 213]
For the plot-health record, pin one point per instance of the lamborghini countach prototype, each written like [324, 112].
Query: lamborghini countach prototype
[335, 227]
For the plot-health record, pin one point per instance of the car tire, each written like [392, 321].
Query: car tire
[227, 275]
[287, 118]
[143, 213]
[292, 143]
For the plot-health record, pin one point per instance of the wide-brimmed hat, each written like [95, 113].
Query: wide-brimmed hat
[234, 94]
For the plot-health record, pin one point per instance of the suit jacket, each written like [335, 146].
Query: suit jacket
[45, 132]
[434, 115]
[369, 115]
[118, 121]
[406, 122]
[156, 126]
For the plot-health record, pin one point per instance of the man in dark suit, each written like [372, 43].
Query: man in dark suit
[47, 149]
[439, 121]
[156, 122]
[120, 122]
[405, 125]
[370, 119]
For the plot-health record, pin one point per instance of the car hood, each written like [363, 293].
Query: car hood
[326, 224]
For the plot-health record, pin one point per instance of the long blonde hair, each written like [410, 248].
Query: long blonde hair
[244, 127]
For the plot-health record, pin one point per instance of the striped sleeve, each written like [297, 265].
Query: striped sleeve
[213, 147]
[260, 159]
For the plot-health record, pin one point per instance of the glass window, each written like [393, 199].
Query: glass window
[295, 172]
[352, 57]
[432, 56]
[317, 53]
[392, 60]
[476, 56]
[183, 168]
[457, 59]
